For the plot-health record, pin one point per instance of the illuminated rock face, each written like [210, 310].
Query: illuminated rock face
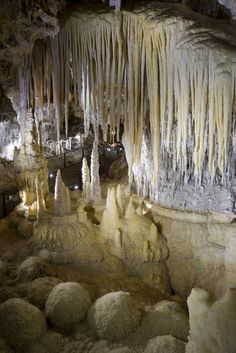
[212, 324]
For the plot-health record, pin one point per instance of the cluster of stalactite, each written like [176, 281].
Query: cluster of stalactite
[149, 69]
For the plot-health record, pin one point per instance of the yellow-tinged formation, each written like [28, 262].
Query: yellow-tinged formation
[155, 67]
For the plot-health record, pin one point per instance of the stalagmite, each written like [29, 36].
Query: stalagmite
[85, 175]
[130, 209]
[62, 202]
[118, 238]
[110, 220]
[119, 199]
[40, 196]
[95, 178]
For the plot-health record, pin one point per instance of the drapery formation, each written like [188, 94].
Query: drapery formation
[150, 69]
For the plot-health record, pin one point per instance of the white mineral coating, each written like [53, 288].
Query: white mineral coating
[212, 324]
[165, 344]
[67, 304]
[21, 324]
[39, 290]
[114, 316]
[62, 202]
[164, 318]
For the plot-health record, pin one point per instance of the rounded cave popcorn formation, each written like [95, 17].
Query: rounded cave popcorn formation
[67, 304]
[114, 316]
[21, 324]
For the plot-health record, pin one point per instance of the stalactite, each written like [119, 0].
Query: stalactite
[148, 69]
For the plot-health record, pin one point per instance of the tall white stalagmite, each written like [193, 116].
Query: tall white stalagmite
[85, 175]
[94, 171]
[62, 202]
[110, 220]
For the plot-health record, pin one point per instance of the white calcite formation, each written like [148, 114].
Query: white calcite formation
[62, 202]
[30, 165]
[94, 171]
[67, 304]
[110, 220]
[21, 324]
[85, 177]
[114, 316]
[212, 324]
[135, 239]
[169, 71]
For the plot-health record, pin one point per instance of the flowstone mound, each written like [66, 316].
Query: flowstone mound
[67, 304]
[165, 344]
[65, 238]
[21, 324]
[114, 316]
